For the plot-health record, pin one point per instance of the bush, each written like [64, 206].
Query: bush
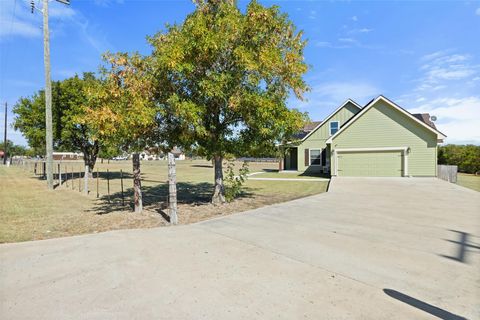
[233, 183]
[466, 157]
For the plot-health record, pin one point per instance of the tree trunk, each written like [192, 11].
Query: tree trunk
[90, 153]
[137, 185]
[172, 189]
[219, 191]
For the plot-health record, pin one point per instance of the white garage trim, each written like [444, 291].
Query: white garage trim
[403, 149]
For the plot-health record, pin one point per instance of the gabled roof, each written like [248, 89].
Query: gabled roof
[394, 105]
[331, 115]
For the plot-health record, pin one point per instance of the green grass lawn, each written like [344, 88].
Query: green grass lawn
[470, 181]
[29, 211]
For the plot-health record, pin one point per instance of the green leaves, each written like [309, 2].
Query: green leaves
[68, 103]
[223, 77]
[121, 108]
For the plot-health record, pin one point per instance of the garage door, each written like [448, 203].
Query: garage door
[370, 164]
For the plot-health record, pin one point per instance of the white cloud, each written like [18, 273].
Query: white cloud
[107, 3]
[441, 68]
[457, 117]
[59, 10]
[446, 87]
[328, 95]
[355, 18]
[361, 30]
[477, 12]
[15, 20]
[19, 28]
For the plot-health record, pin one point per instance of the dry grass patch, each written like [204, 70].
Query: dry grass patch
[30, 212]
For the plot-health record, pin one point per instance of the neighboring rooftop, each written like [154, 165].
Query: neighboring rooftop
[308, 127]
[425, 118]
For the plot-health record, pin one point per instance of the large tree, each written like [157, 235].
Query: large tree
[68, 104]
[122, 112]
[223, 78]
[14, 149]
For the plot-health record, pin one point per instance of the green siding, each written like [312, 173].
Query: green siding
[384, 126]
[317, 140]
[370, 164]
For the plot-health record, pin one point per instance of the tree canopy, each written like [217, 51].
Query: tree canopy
[466, 157]
[69, 102]
[223, 79]
[15, 149]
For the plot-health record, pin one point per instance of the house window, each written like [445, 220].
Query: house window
[334, 126]
[315, 157]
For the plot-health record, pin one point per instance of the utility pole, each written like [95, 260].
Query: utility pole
[48, 92]
[48, 97]
[5, 138]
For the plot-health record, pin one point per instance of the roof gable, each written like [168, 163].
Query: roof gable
[390, 103]
[330, 116]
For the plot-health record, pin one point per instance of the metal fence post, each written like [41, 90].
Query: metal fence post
[121, 184]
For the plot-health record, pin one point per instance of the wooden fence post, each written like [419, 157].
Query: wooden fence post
[172, 189]
[59, 175]
[121, 184]
[85, 181]
[108, 186]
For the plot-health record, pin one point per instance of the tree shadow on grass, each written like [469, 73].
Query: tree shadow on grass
[156, 197]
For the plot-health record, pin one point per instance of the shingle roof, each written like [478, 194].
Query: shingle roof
[308, 127]
[311, 125]
[425, 118]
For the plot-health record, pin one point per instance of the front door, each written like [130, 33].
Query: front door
[293, 159]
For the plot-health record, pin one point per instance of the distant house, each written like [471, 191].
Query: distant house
[178, 153]
[67, 156]
[380, 139]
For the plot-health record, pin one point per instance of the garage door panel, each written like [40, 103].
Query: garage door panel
[370, 164]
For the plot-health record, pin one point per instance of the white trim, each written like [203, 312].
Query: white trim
[371, 104]
[330, 126]
[404, 150]
[331, 115]
[310, 157]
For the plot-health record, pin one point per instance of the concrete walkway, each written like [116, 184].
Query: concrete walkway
[369, 249]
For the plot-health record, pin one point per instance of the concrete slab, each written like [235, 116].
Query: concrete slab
[370, 249]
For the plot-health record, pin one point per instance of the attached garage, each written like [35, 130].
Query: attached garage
[371, 163]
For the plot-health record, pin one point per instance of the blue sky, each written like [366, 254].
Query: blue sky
[424, 55]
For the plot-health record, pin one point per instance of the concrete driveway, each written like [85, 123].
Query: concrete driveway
[368, 249]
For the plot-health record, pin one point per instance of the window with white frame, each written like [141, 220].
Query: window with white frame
[334, 126]
[315, 157]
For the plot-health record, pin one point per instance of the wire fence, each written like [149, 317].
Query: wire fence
[101, 183]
